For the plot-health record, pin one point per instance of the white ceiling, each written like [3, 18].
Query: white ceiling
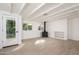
[42, 11]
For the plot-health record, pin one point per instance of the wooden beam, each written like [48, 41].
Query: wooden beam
[48, 10]
[11, 7]
[22, 7]
[63, 10]
[42, 4]
[64, 14]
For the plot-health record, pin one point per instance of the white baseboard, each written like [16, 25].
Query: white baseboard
[74, 39]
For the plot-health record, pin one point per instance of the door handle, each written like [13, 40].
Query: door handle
[16, 31]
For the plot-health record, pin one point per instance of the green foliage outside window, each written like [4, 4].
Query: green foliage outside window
[27, 26]
[10, 29]
[24, 26]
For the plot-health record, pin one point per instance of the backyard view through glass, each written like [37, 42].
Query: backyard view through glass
[10, 29]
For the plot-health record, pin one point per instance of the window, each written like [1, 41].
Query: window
[27, 26]
[24, 26]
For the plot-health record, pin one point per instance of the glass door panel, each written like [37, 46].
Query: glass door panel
[10, 29]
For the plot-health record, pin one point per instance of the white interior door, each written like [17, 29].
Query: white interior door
[9, 31]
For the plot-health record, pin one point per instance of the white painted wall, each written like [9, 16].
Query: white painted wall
[34, 33]
[73, 30]
[58, 25]
[70, 26]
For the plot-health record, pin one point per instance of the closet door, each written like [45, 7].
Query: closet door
[9, 31]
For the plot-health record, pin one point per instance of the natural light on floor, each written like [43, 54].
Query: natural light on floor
[17, 48]
[38, 42]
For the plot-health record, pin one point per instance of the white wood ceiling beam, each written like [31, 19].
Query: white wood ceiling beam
[11, 7]
[36, 9]
[65, 14]
[48, 10]
[70, 11]
[22, 7]
[64, 10]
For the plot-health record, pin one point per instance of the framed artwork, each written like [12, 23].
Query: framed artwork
[24, 26]
[27, 26]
